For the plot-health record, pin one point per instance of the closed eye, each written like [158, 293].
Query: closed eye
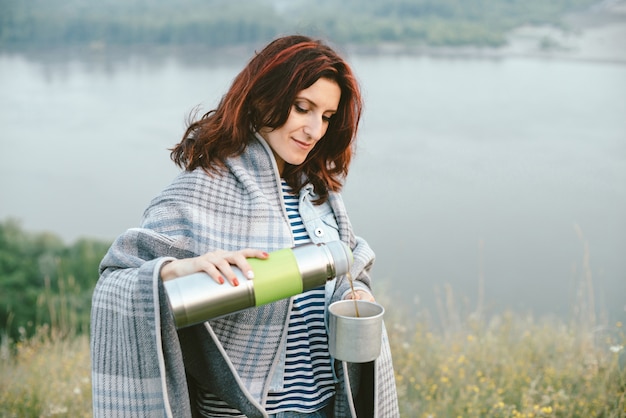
[304, 109]
[299, 108]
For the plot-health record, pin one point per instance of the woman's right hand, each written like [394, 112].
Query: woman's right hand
[216, 264]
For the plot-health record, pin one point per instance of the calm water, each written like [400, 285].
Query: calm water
[466, 168]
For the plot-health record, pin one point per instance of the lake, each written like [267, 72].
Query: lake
[499, 176]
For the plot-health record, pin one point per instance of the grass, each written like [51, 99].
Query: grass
[508, 366]
[511, 364]
[47, 375]
[473, 365]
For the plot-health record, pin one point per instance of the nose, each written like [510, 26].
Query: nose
[315, 128]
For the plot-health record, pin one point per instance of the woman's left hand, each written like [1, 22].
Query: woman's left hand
[361, 295]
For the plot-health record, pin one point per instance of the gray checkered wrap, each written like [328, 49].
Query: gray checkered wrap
[138, 357]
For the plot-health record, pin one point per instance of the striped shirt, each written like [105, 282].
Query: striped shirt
[308, 383]
[300, 236]
[308, 380]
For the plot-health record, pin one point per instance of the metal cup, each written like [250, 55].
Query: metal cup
[351, 338]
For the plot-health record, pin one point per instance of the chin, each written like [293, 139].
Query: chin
[296, 161]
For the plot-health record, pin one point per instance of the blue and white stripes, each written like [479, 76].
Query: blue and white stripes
[308, 379]
[300, 235]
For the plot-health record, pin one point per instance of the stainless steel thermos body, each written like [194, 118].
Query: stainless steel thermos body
[197, 297]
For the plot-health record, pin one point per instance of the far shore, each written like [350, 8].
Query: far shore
[596, 35]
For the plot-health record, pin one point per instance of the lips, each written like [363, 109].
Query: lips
[302, 144]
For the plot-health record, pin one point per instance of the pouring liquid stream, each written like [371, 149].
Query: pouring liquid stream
[356, 305]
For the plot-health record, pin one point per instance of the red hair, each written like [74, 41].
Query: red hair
[262, 95]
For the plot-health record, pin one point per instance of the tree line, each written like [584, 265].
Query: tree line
[45, 281]
[216, 23]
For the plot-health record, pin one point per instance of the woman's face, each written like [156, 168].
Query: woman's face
[307, 123]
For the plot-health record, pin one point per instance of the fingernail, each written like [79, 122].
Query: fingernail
[235, 282]
[250, 274]
[265, 254]
[220, 279]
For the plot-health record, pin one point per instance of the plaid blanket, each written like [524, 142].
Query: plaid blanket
[141, 364]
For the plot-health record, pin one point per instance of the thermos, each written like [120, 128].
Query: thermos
[197, 297]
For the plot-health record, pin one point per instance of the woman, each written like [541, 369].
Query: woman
[262, 172]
